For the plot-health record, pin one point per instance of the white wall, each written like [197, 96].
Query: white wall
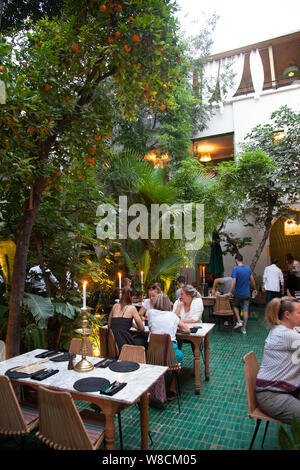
[240, 116]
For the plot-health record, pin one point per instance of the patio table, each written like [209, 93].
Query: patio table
[138, 383]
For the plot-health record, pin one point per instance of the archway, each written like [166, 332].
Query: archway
[284, 240]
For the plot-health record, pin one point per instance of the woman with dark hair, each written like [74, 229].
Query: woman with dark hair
[122, 317]
[278, 379]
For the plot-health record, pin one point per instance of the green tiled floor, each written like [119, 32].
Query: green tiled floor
[215, 419]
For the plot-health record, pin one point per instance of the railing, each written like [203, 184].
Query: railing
[275, 84]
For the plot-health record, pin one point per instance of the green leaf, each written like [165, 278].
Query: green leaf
[67, 310]
[40, 307]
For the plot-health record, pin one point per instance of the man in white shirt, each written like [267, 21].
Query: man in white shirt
[37, 281]
[272, 281]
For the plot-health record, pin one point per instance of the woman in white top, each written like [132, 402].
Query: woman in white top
[278, 379]
[162, 321]
[189, 306]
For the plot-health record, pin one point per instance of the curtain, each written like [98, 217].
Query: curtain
[257, 72]
[233, 65]
[210, 77]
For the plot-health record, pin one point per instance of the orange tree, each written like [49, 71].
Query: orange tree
[59, 76]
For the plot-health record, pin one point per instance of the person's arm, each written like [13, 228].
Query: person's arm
[252, 280]
[232, 286]
[183, 327]
[137, 322]
[177, 308]
[110, 316]
[142, 312]
[216, 281]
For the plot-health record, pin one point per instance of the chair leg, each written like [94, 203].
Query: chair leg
[178, 393]
[265, 433]
[120, 431]
[258, 421]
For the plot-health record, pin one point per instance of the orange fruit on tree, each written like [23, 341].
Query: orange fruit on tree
[146, 86]
[31, 129]
[164, 86]
[58, 173]
[102, 8]
[57, 37]
[75, 48]
[97, 137]
[31, 79]
[116, 79]
[162, 107]
[2, 68]
[127, 48]
[119, 8]
[59, 188]
[47, 87]
[111, 40]
[117, 34]
[136, 38]
[86, 71]
[139, 64]
[67, 98]
[79, 176]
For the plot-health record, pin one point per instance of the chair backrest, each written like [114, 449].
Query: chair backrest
[12, 422]
[60, 425]
[2, 350]
[133, 353]
[75, 346]
[108, 345]
[222, 306]
[251, 368]
[161, 351]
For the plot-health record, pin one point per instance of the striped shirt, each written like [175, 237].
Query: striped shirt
[280, 368]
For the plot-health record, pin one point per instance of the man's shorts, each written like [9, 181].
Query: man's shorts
[241, 301]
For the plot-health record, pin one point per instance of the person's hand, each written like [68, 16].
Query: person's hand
[228, 294]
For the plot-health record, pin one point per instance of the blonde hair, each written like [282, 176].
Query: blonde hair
[191, 291]
[162, 302]
[276, 308]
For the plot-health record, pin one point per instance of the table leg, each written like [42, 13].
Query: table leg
[109, 409]
[197, 367]
[206, 356]
[144, 418]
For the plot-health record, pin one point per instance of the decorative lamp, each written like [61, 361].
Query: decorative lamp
[291, 71]
[205, 157]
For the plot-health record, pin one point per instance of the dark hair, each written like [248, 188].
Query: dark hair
[125, 281]
[156, 288]
[274, 261]
[239, 257]
[289, 257]
[126, 298]
[276, 308]
[181, 279]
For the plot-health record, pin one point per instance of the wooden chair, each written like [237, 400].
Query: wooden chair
[161, 353]
[108, 345]
[61, 425]
[75, 346]
[222, 308]
[2, 350]
[251, 368]
[15, 419]
[133, 353]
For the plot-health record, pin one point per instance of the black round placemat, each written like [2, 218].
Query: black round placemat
[16, 374]
[91, 384]
[64, 357]
[124, 366]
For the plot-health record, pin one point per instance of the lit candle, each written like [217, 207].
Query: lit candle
[142, 277]
[120, 277]
[204, 273]
[84, 294]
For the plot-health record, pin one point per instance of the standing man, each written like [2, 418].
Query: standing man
[272, 281]
[241, 275]
[225, 284]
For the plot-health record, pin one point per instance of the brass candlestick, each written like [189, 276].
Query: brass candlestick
[84, 365]
[120, 293]
[142, 292]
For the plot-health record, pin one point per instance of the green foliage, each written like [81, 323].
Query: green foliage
[40, 307]
[290, 442]
[34, 337]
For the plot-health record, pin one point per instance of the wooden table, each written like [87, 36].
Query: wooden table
[138, 383]
[196, 339]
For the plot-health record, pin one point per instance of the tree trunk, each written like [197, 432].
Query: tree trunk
[260, 248]
[13, 335]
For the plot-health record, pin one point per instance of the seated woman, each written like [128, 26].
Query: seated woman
[278, 379]
[122, 317]
[189, 306]
[147, 304]
[162, 321]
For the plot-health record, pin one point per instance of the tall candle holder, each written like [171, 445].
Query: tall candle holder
[142, 292]
[120, 293]
[84, 365]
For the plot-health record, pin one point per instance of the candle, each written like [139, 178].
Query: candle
[120, 277]
[204, 273]
[84, 294]
[142, 277]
